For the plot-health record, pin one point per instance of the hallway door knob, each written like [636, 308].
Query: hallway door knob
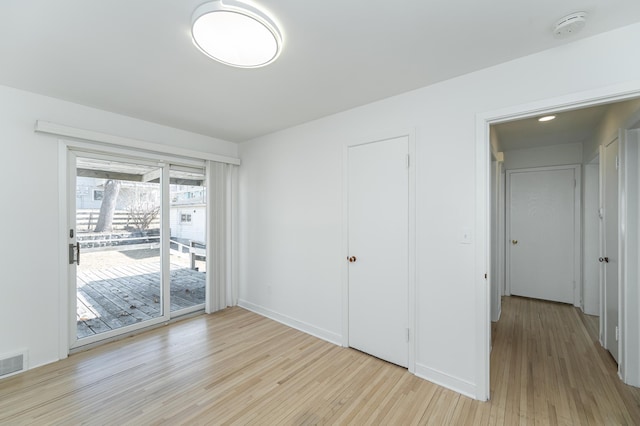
[351, 259]
[514, 242]
[603, 259]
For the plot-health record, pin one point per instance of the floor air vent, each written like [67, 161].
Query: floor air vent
[12, 364]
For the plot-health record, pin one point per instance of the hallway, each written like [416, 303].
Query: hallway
[547, 366]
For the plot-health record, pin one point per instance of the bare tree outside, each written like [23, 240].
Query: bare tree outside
[141, 205]
[108, 206]
[141, 215]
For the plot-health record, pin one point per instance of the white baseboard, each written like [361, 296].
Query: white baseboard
[320, 333]
[458, 385]
[439, 378]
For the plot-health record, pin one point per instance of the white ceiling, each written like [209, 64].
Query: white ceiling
[136, 57]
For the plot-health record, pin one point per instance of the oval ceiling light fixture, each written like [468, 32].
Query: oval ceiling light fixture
[547, 118]
[236, 34]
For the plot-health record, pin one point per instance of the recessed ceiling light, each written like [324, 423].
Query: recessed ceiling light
[547, 118]
[236, 34]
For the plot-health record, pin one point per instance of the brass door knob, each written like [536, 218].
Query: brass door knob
[351, 259]
[514, 242]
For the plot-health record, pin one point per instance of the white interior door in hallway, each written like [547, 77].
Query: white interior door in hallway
[543, 232]
[609, 257]
[378, 244]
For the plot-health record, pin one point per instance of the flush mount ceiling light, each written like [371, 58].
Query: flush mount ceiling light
[236, 34]
[547, 118]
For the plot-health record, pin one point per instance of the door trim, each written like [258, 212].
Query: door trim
[601, 331]
[577, 226]
[629, 316]
[412, 278]
[603, 273]
[484, 120]
[63, 263]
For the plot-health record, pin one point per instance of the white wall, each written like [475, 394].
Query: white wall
[291, 196]
[498, 179]
[617, 116]
[495, 142]
[554, 155]
[630, 250]
[495, 305]
[29, 305]
[497, 238]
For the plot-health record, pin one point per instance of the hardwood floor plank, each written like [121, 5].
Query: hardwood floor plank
[236, 367]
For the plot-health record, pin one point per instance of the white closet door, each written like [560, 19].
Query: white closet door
[378, 246]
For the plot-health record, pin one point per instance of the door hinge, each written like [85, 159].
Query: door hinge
[617, 162]
[617, 333]
[485, 276]
[407, 334]
[408, 160]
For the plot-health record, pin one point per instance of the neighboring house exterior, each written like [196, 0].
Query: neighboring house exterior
[90, 193]
[187, 219]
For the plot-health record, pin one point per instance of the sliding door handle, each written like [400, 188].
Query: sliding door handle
[74, 254]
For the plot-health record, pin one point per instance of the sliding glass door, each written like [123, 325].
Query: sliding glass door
[188, 220]
[137, 243]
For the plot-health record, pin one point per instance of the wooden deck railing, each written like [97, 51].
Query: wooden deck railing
[98, 241]
[121, 241]
[194, 250]
[86, 219]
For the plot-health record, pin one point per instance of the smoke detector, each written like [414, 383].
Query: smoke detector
[570, 24]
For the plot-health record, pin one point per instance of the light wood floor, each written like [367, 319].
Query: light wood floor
[237, 367]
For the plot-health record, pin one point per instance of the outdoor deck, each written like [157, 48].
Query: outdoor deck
[117, 296]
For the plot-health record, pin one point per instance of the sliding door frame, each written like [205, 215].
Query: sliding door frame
[67, 152]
